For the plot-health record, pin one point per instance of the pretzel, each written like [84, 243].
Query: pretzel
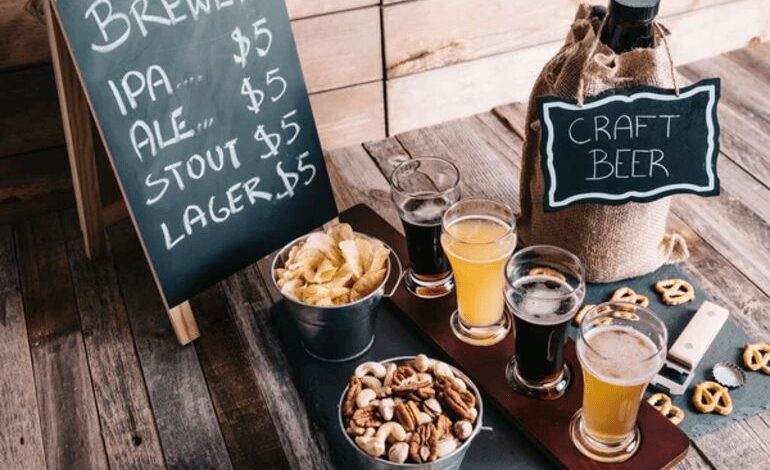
[756, 357]
[544, 271]
[675, 291]
[662, 403]
[710, 397]
[626, 294]
[582, 313]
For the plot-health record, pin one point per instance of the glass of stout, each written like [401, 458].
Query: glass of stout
[545, 288]
[423, 189]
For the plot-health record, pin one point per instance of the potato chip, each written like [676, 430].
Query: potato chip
[343, 277]
[365, 251]
[352, 259]
[290, 287]
[323, 273]
[369, 282]
[326, 245]
[379, 257]
[341, 232]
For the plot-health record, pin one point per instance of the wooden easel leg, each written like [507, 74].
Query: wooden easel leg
[183, 321]
[76, 117]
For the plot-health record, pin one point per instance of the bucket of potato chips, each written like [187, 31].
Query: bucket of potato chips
[332, 282]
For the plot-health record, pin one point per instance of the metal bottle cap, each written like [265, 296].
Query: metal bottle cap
[728, 375]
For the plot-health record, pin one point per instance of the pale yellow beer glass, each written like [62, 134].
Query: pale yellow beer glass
[478, 236]
[620, 346]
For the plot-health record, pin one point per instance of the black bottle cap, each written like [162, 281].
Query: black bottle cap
[642, 11]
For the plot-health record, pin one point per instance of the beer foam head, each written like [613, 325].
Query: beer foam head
[543, 300]
[620, 355]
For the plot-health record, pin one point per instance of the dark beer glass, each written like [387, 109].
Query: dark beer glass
[423, 189]
[544, 290]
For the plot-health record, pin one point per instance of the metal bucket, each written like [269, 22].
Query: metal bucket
[341, 332]
[448, 462]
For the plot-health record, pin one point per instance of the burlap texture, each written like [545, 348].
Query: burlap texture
[614, 241]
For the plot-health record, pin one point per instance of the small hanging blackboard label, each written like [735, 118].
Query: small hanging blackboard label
[204, 111]
[639, 144]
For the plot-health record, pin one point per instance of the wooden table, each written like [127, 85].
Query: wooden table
[92, 376]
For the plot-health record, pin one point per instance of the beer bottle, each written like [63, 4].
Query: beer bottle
[629, 24]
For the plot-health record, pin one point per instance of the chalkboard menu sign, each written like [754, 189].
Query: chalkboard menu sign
[639, 144]
[204, 111]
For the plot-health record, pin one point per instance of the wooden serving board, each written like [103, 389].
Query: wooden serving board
[546, 423]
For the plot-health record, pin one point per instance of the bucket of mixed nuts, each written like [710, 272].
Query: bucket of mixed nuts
[410, 412]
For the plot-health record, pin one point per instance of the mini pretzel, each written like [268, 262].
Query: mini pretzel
[710, 397]
[675, 291]
[626, 294]
[582, 313]
[662, 403]
[756, 357]
[544, 271]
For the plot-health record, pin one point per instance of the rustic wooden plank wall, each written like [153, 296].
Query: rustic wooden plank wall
[373, 68]
[445, 60]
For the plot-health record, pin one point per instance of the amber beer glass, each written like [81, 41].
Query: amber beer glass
[620, 346]
[545, 288]
[422, 190]
[478, 236]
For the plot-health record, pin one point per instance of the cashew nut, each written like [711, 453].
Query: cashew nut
[371, 445]
[369, 381]
[442, 369]
[422, 363]
[370, 368]
[463, 429]
[386, 408]
[364, 397]
[445, 447]
[393, 430]
[390, 369]
[370, 432]
[398, 452]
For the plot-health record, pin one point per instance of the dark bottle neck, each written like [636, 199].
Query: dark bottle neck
[622, 36]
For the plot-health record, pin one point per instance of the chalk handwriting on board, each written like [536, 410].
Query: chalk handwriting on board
[205, 114]
[630, 145]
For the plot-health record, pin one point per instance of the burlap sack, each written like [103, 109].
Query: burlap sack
[614, 242]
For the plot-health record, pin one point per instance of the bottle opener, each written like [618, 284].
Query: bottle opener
[688, 350]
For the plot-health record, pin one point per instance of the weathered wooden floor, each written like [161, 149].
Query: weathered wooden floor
[92, 377]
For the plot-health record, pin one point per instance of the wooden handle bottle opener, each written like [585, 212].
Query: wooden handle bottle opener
[688, 350]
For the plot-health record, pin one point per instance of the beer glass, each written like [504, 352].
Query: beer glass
[545, 288]
[423, 189]
[478, 237]
[621, 346]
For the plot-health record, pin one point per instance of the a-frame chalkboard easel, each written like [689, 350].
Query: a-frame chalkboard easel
[76, 115]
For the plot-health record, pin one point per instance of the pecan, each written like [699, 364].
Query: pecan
[443, 426]
[406, 380]
[423, 447]
[405, 417]
[402, 373]
[350, 398]
[366, 417]
[422, 394]
[461, 402]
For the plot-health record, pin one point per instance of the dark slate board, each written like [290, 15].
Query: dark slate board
[639, 144]
[213, 79]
